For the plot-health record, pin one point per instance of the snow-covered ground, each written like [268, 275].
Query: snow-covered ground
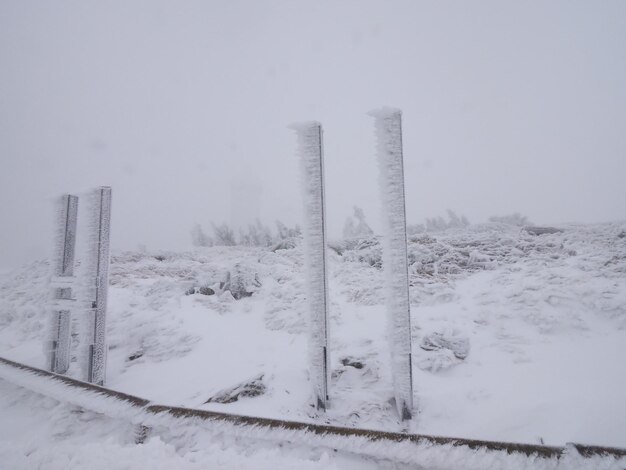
[524, 336]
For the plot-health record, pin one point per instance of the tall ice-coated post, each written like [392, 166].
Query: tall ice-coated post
[388, 124]
[310, 151]
[100, 259]
[62, 280]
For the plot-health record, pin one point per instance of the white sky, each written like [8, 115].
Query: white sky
[182, 106]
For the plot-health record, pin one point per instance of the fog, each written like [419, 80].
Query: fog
[183, 108]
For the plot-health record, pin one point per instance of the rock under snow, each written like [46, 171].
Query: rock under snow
[459, 345]
[249, 388]
[542, 230]
[443, 350]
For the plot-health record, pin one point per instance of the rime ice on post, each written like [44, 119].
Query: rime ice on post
[99, 280]
[388, 124]
[309, 136]
[59, 350]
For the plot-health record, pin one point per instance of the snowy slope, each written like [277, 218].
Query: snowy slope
[541, 319]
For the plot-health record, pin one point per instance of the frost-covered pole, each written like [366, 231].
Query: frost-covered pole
[99, 239]
[310, 150]
[63, 275]
[388, 124]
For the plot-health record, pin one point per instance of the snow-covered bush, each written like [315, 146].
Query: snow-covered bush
[241, 281]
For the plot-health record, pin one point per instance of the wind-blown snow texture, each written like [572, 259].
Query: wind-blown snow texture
[544, 318]
[312, 163]
[388, 124]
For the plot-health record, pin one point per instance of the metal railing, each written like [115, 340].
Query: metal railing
[145, 413]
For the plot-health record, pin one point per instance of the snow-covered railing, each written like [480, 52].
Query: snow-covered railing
[428, 451]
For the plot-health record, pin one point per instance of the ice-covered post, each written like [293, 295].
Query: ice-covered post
[63, 275]
[388, 125]
[310, 151]
[99, 279]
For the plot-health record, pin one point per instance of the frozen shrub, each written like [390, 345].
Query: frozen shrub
[285, 244]
[224, 235]
[241, 281]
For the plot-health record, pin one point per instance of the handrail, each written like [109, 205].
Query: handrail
[147, 409]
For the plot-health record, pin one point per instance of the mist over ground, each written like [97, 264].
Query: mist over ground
[183, 109]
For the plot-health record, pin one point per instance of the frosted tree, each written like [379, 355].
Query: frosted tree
[358, 229]
[224, 235]
[309, 135]
[199, 238]
[362, 228]
[283, 232]
[454, 220]
[436, 224]
[388, 126]
[264, 234]
[98, 261]
[244, 238]
[349, 229]
[62, 281]
[258, 234]
[253, 235]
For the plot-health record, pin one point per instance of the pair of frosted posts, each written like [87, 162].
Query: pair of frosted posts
[388, 125]
[64, 283]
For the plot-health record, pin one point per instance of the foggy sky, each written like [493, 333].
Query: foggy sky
[182, 107]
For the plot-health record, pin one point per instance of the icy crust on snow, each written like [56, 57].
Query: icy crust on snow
[388, 125]
[310, 152]
[545, 319]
